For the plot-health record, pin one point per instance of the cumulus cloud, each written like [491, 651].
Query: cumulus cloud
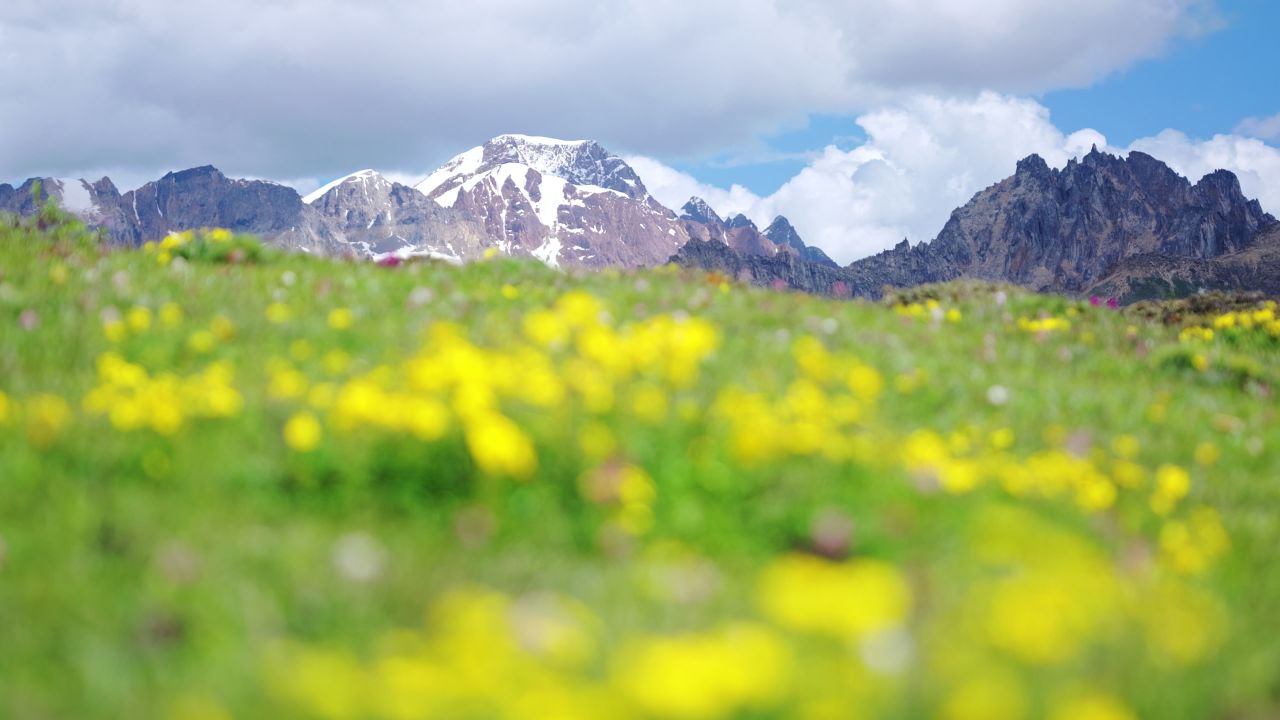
[1267, 128]
[316, 88]
[926, 156]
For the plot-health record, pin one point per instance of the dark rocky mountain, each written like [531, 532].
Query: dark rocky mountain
[779, 271]
[204, 197]
[1065, 230]
[783, 234]
[739, 233]
[1120, 227]
[700, 222]
[1148, 277]
[697, 210]
[195, 198]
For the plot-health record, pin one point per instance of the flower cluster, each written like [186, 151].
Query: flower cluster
[132, 399]
[208, 244]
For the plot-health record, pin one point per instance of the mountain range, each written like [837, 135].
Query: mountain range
[1121, 227]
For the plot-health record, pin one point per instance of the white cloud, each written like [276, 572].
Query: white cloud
[316, 88]
[674, 188]
[926, 156]
[1267, 128]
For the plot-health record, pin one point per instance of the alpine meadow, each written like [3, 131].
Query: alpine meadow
[845, 369]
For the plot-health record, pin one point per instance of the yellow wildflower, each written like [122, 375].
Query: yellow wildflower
[845, 600]
[499, 446]
[341, 318]
[302, 432]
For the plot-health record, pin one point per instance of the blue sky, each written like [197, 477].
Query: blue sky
[1202, 86]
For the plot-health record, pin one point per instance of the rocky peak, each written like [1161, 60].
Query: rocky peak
[698, 210]
[580, 162]
[363, 181]
[1032, 165]
[740, 221]
[781, 232]
[1062, 230]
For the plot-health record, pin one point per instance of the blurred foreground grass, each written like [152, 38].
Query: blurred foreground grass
[241, 484]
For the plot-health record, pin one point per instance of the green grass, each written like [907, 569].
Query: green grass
[213, 570]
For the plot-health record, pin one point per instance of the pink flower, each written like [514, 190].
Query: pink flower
[1094, 300]
[389, 261]
[1113, 303]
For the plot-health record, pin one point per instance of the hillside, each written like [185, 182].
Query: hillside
[244, 483]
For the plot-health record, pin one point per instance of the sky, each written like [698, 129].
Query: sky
[863, 122]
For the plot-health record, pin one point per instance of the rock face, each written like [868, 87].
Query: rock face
[1065, 230]
[378, 217]
[1149, 277]
[195, 198]
[702, 223]
[779, 271]
[567, 203]
[783, 234]
[739, 233]
[204, 197]
[1125, 228]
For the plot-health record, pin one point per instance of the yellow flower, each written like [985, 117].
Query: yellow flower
[499, 446]
[1090, 706]
[6, 411]
[990, 695]
[1207, 454]
[1125, 446]
[171, 314]
[222, 328]
[201, 341]
[510, 292]
[1172, 484]
[302, 432]
[340, 318]
[727, 672]
[139, 319]
[47, 417]
[278, 313]
[115, 330]
[845, 600]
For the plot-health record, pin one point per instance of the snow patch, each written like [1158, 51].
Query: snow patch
[462, 165]
[549, 252]
[538, 140]
[76, 197]
[362, 175]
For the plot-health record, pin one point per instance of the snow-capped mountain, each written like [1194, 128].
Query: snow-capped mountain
[568, 203]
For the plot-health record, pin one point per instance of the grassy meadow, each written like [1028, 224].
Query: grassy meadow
[236, 483]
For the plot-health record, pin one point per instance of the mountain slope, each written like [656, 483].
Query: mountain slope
[1146, 277]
